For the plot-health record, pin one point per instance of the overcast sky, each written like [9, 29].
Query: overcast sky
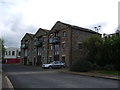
[18, 17]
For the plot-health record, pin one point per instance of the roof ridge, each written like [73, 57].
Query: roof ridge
[78, 27]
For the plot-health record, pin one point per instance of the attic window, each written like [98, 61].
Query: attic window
[64, 34]
[57, 33]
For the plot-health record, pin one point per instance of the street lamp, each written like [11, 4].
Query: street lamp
[97, 28]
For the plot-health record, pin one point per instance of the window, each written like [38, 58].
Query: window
[51, 47]
[63, 58]
[34, 42]
[56, 49]
[9, 53]
[25, 52]
[56, 33]
[43, 58]
[13, 53]
[56, 52]
[63, 45]
[6, 52]
[44, 48]
[50, 59]
[80, 46]
[34, 51]
[64, 34]
[19, 53]
[50, 40]
[39, 51]
[43, 39]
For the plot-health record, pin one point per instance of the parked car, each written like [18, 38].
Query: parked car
[54, 64]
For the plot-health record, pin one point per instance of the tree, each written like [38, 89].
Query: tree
[111, 51]
[2, 48]
[92, 46]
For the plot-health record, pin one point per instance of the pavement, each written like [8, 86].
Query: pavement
[6, 83]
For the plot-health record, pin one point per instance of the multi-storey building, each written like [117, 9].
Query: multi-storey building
[27, 49]
[63, 42]
[12, 55]
[40, 47]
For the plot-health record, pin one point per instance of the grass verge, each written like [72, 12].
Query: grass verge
[108, 72]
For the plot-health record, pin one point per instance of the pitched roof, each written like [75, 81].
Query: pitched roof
[29, 34]
[42, 30]
[77, 27]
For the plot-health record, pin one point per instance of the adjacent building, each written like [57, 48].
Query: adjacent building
[40, 47]
[63, 42]
[27, 48]
[12, 55]
[111, 35]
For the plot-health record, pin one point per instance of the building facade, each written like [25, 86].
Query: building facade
[63, 42]
[12, 55]
[27, 49]
[40, 46]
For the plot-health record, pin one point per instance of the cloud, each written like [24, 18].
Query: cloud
[17, 17]
[12, 26]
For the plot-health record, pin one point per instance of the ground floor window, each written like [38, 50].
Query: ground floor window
[50, 59]
[63, 58]
[34, 61]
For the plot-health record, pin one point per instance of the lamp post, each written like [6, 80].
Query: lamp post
[97, 28]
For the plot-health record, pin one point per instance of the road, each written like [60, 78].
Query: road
[35, 77]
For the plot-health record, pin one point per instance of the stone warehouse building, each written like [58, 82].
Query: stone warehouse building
[63, 42]
[40, 46]
[27, 48]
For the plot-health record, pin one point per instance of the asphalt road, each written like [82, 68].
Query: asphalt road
[35, 77]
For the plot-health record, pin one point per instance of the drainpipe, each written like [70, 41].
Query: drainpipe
[47, 47]
[71, 49]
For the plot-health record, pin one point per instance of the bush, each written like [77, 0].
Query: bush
[81, 66]
[109, 67]
[97, 67]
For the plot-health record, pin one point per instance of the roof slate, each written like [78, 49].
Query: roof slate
[78, 28]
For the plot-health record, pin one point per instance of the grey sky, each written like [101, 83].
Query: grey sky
[18, 17]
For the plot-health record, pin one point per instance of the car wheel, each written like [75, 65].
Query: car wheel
[62, 67]
[50, 67]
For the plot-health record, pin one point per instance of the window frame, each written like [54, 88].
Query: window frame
[13, 53]
[9, 53]
[63, 45]
[64, 34]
